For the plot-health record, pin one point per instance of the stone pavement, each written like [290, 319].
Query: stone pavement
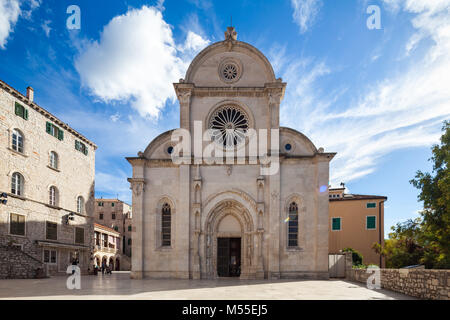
[120, 286]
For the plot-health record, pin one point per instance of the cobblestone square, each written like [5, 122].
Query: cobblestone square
[119, 286]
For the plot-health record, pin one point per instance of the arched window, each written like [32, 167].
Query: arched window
[293, 225]
[54, 160]
[17, 141]
[53, 196]
[165, 225]
[80, 204]
[17, 183]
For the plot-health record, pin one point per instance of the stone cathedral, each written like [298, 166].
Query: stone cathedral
[203, 220]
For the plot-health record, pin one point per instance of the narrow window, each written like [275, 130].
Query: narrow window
[166, 225]
[21, 111]
[79, 235]
[17, 224]
[113, 216]
[50, 256]
[51, 231]
[100, 216]
[129, 228]
[371, 222]
[129, 242]
[80, 204]
[112, 204]
[53, 196]
[53, 160]
[80, 146]
[293, 225]
[17, 141]
[336, 224]
[17, 183]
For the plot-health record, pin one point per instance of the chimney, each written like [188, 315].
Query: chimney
[30, 94]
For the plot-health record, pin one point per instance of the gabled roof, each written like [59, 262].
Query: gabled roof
[23, 99]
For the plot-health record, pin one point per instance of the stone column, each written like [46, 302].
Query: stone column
[184, 92]
[274, 242]
[182, 224]
[138, 242]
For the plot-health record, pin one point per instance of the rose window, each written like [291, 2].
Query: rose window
[230, 72]
[229, 126]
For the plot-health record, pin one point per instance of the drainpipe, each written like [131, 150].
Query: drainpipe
[379, 229]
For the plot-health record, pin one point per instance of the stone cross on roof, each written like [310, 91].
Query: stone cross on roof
[230, 34]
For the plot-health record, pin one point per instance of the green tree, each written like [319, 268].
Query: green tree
[435, 193]
[425, 240]
[403, 246]
[357, 258]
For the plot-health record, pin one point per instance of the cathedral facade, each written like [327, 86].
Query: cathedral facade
[247, 216]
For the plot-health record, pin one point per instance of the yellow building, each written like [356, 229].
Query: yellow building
[356, 221]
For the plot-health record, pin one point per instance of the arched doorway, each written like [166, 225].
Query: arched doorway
[111, 263]
[117, 264]
[229, 241]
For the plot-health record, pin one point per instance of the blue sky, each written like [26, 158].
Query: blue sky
[376, 97]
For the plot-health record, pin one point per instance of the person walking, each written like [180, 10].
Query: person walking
[103, 267]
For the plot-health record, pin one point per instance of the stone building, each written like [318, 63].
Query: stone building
[117, 215]
[47, 171]
[107, 247]
[205, 217]
[357, 222]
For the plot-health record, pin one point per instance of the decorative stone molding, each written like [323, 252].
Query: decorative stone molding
[238, 192]
[137, 185]
[184, 96]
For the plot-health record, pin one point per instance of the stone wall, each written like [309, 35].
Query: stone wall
[16, 264]
[420, 283]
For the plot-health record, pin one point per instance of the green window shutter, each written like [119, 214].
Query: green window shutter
[77, 145]
[85, 151]
[20, 111]
[48, 127]
[371, 205]
[371, 222]
[336, 225]
[60, 134]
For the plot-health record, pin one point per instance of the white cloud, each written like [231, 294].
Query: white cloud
[399, 112]
[136, 60]
[115, 117]
[305, 12]
[10, 11]
[9, 14]
[113, 185]
[46, 27]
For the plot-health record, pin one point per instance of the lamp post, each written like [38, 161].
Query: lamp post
[3, 198]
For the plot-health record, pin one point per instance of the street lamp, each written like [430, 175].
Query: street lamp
[3, 198]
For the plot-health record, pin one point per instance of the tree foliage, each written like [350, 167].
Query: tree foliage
[357, 257]
[426, 240]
